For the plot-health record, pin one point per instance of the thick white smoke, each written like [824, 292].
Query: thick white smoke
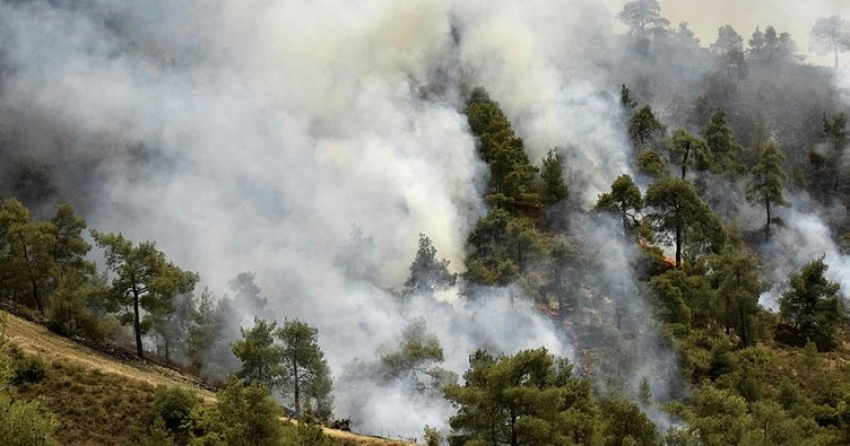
[252, 135]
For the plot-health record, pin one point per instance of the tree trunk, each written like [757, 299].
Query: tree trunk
[137, 325]
[514, 439]
[767, 207]
[297, 390]
[36, 296]
[679, 246]
[33, 280]
[559, 294]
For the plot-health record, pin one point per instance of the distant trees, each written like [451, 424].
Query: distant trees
[825, 158]
[144, 280]
[643, 17]
[427, 273]
[830, 35]
[770, 47]
[729, 53]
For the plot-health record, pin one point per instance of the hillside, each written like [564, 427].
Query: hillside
[107, 382]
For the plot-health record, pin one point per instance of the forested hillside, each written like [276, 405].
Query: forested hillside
[465, 223]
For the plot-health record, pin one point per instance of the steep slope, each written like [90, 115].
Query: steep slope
[79, 363]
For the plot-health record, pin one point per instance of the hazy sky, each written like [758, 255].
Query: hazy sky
[794, 16]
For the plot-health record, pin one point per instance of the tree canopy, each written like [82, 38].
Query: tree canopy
[144, 281]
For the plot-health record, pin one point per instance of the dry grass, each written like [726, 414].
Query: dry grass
[36, 340]
[103, 401]
[348, 438]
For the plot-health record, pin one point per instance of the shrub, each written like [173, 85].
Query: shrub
[173, 406]
[28, 370]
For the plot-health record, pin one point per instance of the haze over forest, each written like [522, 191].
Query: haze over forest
[641, 197]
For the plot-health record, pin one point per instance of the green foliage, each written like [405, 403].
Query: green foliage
[624, 200]
[427, 273]
[627, 424]
[306, 376]
[735, 277]
[723, 151]
[812, 308]
[555, 187]
[669, 289]
[206, 330]
[687, 150]
[415, 360]
[511, 173]
[433, 437]
[644, 127]
[172, 407]
[526, 398]
[765, 187]
[245, 415]
[500, 247]
[22, 422]
[652, 164]
[27, 370]
[144, 280]
[25, 423]
[261, 356]
[27, 255]
[676, 208]
[304, 434]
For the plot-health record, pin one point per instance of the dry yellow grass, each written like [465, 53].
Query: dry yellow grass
[36, 340]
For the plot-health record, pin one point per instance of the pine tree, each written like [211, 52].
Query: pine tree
[427, 273]
[554, 186]
[765, 187]
[625, 200]
[305, 374]
[144, 280]
[813, 306]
